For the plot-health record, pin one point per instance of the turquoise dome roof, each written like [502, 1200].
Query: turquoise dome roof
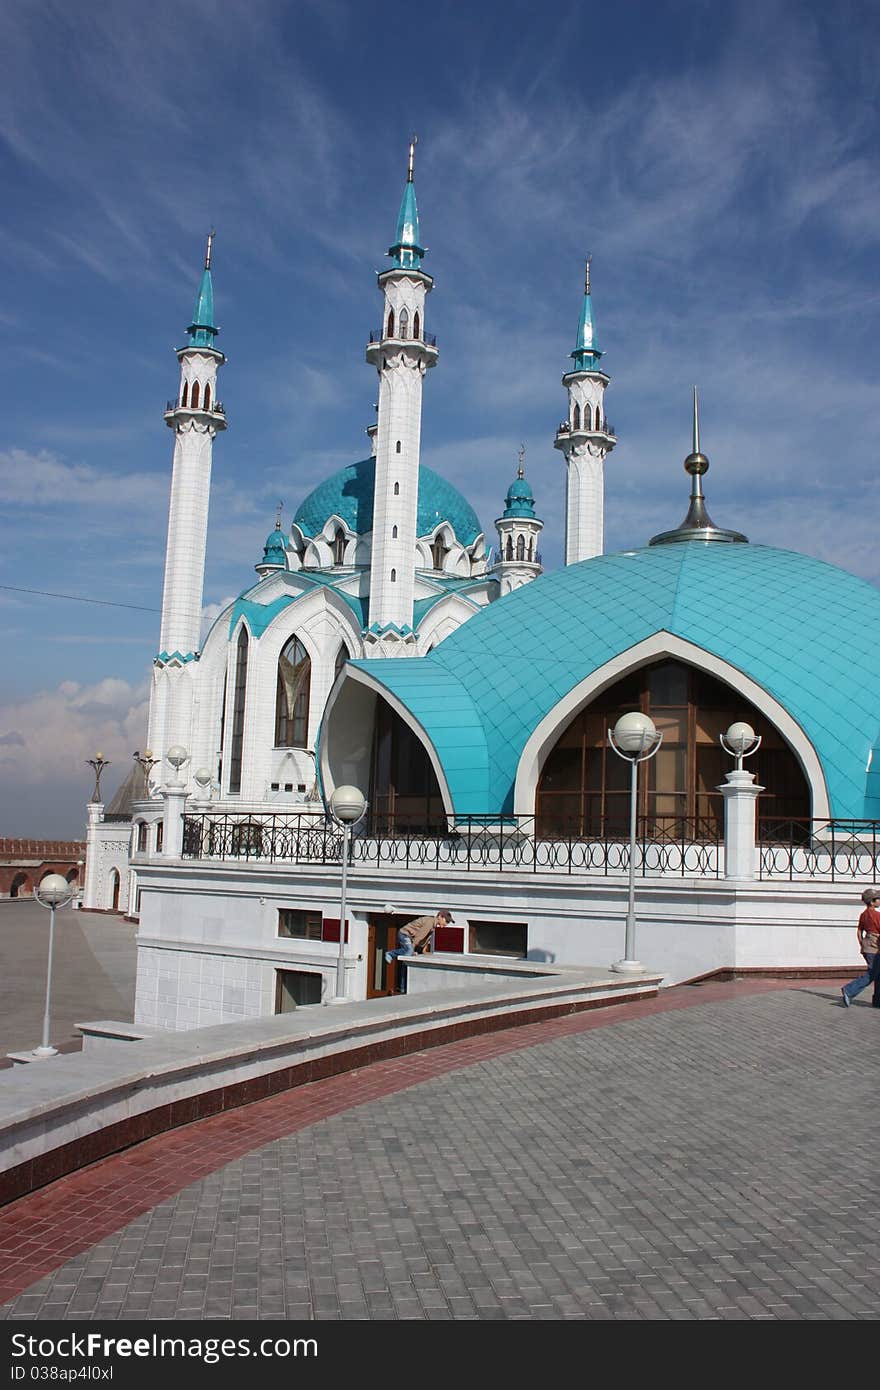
[796, 626]
[274, 551]
[519, 500]
[349, 495]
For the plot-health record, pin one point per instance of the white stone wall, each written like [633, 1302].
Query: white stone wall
[107, 849]
[685, 927]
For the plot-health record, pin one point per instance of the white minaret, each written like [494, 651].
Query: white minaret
[585, 438]
[195, 417]
[401, 353]
[519, 534]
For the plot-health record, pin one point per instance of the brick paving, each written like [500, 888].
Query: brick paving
[703, 1155]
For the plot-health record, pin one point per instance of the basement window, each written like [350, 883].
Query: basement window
[295, 988]
[499, 939]
[299, 922]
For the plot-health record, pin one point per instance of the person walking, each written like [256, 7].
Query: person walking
[868, 931]
[417, 935]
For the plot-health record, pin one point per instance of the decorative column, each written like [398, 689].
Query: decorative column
[740, 793]
[95, 814]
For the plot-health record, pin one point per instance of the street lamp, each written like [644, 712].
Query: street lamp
[97, 764]
[176, 756]
[146, 762]
[348, 806]
[741, 741]
[635, 739]
[54, 891]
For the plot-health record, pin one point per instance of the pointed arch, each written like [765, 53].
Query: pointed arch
[239, 699]
[389, 328]
[508, 549]
[417, 325]
[339, 547]
[576, 417]
[520, 547]
[292, 696]
[207, 404]
[403, 324]
[194, 396]
[184, 392]
[598, 418]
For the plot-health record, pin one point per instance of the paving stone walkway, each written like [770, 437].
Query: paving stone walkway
[707, 1156]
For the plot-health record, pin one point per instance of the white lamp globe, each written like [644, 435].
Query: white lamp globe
[177, 756]
[348, 804]
[54, 890]
[740, 736]
[634, 732]
[203, 776]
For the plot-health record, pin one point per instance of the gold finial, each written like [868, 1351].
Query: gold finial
[696, 423]
[587, 275]
[521, 453]
[412, 158]
[278, 516]
[211, 236]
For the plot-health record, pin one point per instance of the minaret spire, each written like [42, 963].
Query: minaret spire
[401, 352]
[697, 525]
[585, 438]
[196, 417]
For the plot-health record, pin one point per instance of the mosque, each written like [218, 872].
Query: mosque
[380, 647]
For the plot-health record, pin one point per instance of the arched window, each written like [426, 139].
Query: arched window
[114, 890]
[194, 396]
[520, 547]
[292, 699]
[183, 393]
[531, 547]
[397, 489]
[160, 836]
[403, 331]
[142, 837]
[394, 533]
[598, 418]
[417, 325]
[394, 576]
[576, 418]
[397, 450]
[390, 330]
[508, 553]
[341, 657]
[439, 551]
[17, 884]
[404, 793]
[584, 788]
[238, 703]
[207, 405]
[339, 547]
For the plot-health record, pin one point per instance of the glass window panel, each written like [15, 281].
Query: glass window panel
[562, 770]
[672, 724]
[668, 684]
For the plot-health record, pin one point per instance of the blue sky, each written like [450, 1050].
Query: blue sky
[720, 163]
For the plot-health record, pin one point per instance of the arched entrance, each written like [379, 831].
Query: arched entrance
[404, 796]
[17, 885]
[114, 890]
[584, 787]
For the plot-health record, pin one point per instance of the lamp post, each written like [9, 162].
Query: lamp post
[174, 795]
[54, 891]
[635, 739]
[740, 792]
[348, 807]
[97, 764]
[146, 762]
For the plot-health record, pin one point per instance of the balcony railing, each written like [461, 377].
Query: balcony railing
[679, 846]
[834, 850]
[565, 427]
[377, 335]
[216, 407]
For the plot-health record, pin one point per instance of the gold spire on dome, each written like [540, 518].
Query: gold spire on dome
[211, 236]
[697, 525]
[278, 516]
[412, 158]
[521, 453]
[587, 275]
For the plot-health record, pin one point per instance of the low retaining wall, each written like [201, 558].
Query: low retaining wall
[60, 1115]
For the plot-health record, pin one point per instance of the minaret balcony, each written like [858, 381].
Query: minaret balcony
[216, 408]
[424, 346]
[377, 335]
[565, 434]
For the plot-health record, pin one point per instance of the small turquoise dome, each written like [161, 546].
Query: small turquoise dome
[519, 500]
[797, 627]
[349, 494]
[275, 551]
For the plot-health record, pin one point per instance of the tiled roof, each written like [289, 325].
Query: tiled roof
[349, 495]
[796, 626]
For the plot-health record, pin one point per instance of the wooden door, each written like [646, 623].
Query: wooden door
[382, 975]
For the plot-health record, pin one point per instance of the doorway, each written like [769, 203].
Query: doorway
[382, 975]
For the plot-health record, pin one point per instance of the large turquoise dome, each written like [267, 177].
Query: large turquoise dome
[802, 630]
[349, 494]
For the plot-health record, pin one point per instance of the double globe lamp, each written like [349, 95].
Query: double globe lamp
[53, 892]
[348, 806]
